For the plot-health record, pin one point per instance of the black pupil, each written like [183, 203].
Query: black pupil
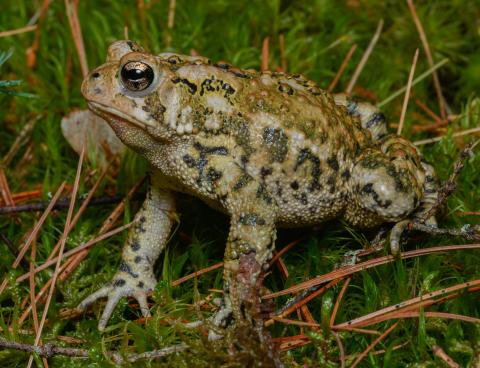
[135, 74]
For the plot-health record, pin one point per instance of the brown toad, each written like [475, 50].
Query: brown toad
[268, 149]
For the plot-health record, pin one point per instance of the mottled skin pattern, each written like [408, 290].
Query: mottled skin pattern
[268, 149]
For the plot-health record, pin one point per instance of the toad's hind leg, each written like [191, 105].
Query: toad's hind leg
[370, 116]
[393, 184]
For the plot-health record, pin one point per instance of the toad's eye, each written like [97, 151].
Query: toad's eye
[136, 76]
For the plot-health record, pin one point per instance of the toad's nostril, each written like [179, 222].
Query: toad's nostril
[95, 75]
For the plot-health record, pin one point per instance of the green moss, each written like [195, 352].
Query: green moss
[318, 34]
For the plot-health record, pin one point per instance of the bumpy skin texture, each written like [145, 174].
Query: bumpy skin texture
[268, 149]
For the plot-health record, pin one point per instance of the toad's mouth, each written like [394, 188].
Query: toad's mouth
[115, 116]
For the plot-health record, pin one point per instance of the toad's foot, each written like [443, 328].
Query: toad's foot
[406, 225]
[118, 288]
[221, 319]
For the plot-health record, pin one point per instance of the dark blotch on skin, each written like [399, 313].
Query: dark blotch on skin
[202, 161]
[294, 185]
[212, 176]
[124, 267]
[137, 259]
[265, 171]
[215, 150]
[368, 189]
[285, 88]
[118, 282]
[251, 219]
[155, 108]
[263, 194]
[190, 161]
[215, 85]
[223, 65]
[140, 225]
[277, 142]
[135, 245]
[304, 155]
[174, 59]
[244, 179]
[346, 174]
[192, 87]
[239, 74]
[377, 118]
[302, 198]
[397, 177]
[140, 284]
[333, 163]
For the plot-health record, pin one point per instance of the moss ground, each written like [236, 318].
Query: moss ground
[318, 34]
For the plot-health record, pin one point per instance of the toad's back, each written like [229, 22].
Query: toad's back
[281, 130]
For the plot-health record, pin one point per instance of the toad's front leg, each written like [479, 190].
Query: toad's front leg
[146, 239]
[249, 247]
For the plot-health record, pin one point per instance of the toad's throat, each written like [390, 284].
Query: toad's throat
[115, 116]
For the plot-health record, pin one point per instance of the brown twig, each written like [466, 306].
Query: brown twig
[40, 295]
[26, 196]
[106, 226]
[343, 65]
[21, 138]
[426, 47]
[61, 204]
[76, 250]
[290, 342]
[349, 270]
[170, 21]
[13, 249]
[265, 54]
[468, 213]
[364, 58]
[300, 301]
[415, 81]
[407, 93]
[5, 189]
[426, 128]
[341, 349]
[31, 52]
[355, 329]
[283, 57]
[80, 211]
[38, 225]
[372, 345]
[32, 287]
[18, 31]
[454, 135]
[72, 15]
[197, 273]
[49, 350]
[284, 250]
[408, 314]
[431, 298]
[294, 322]
[60, 253]
[416, 314]
[339, 299]
[440, 353]
[428, 111]
[32, 296]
